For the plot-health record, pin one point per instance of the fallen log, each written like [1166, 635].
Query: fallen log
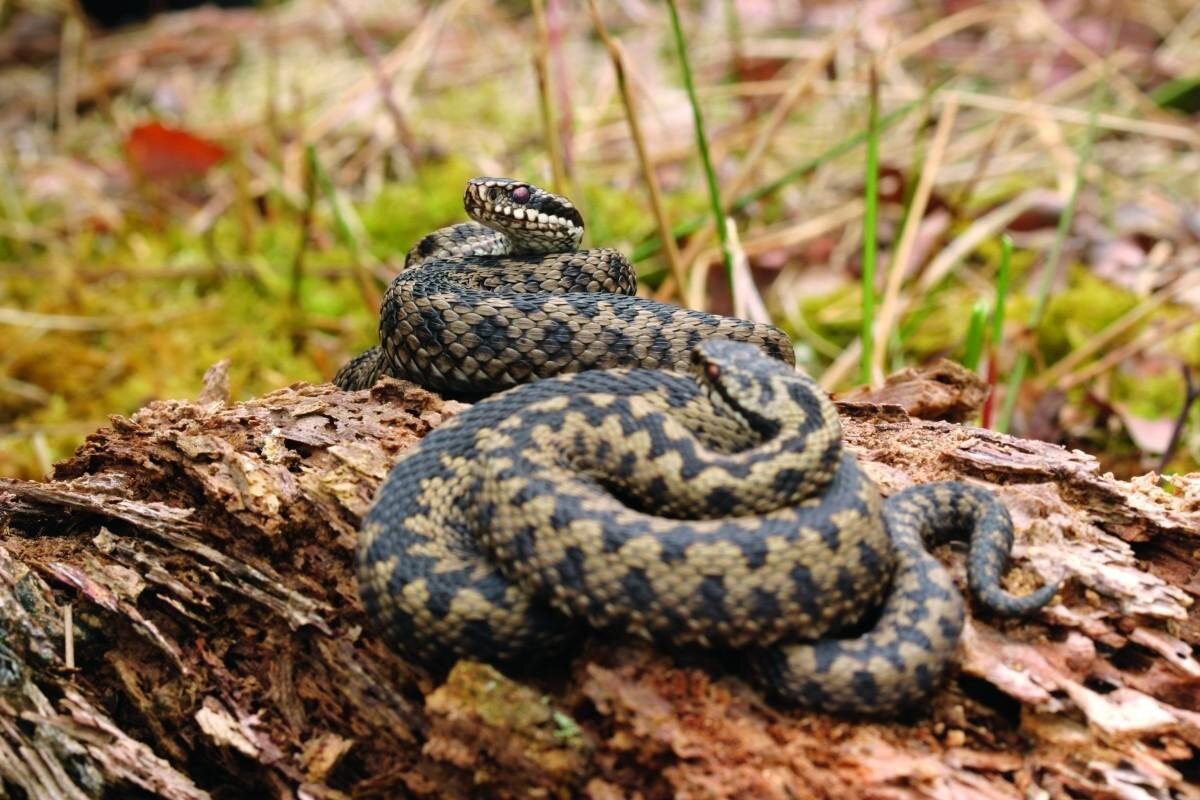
[181, 620]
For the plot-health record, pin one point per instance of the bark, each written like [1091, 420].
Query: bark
[203, 552]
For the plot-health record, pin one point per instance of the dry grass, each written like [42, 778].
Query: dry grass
[115, 291]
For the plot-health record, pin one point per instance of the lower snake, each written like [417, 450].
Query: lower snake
[715, 509]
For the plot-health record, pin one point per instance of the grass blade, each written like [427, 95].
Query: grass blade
[1003, 278]
[714, 192]
[801, 170]
[349, 228]
[976, 333]
[870, 215]
[1060, 236]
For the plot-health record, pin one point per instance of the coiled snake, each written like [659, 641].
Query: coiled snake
[715, 508]
[508, 299]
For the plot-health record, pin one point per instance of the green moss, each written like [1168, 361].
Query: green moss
[1079, 312]
[397, 217]
[1149, 396]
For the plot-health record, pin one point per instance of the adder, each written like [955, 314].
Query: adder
[483, 306]
[715, 509]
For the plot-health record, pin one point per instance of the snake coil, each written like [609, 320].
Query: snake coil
[484, 306]
[716, 508]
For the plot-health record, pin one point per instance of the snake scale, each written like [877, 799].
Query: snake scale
[484, 306]
[708, 505]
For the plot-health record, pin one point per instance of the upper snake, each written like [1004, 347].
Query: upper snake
[484, 306]
[714, 508]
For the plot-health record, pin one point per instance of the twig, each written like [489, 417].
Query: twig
[69, 61]
[1043, 107]
[1190, 396]
[562, 87]
[635, 131]
[986, 227]
[714, 191]
[29, 392]
[1093, 63]
[979, 168]
[870, 231]
[407, 56]
[541, 66]
[805, 168]
[898, 267]
[943, 28]
[1095, 343]
[367, 47]
[1052, 263]
[66, 322]
[747, 302]
[68, 637]
[1146, 340]
[797, 87]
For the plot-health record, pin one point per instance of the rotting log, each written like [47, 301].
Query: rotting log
[204, 552]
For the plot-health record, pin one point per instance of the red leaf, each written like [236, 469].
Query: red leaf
[158, 152]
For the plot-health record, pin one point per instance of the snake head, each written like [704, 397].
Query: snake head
[765, 392]
[536, 220]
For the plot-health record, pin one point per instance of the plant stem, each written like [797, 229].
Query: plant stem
[714, 192]
[1003, 278]
[1060, 236]
[541, 66]
[639, 143]
[801, 170]
[976, 333]
[870, 216]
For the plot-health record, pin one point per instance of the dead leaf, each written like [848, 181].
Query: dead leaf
[157, 152]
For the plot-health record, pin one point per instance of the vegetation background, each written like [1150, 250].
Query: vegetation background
[243, 183]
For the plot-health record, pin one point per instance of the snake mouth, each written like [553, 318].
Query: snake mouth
[512, 206]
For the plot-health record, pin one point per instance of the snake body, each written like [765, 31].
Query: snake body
[657, 471]
[484, 306]
[715, 509]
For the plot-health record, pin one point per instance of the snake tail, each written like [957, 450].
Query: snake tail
[906, 653]
[714, 509]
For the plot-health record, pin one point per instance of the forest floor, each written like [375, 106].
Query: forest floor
[193, 189]
[238, 186]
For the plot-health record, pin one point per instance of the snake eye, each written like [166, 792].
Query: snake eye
[712, 372]
[520, 194]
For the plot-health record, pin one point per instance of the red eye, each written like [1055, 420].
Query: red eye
[712, 372]
[520, 194]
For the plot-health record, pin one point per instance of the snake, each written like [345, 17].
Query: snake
[510, 298]
[711, 506]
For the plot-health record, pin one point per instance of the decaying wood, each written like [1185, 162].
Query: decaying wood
[220, 650]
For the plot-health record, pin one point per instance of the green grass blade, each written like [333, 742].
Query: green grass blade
[1003, 278]
[345, 222]
[1060, 235]
[714, 192]
[651, 246]
[976, 333]
[870, 215]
